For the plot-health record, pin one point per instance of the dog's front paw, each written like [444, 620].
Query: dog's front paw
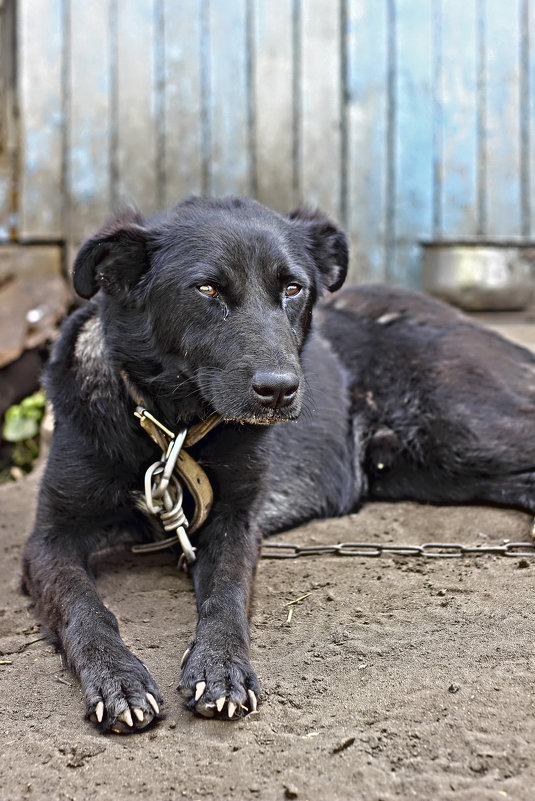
[121, 698]
[218, 685]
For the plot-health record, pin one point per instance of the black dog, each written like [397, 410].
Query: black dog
[208, 309]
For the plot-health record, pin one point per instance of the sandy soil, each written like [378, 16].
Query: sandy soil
[396, 678]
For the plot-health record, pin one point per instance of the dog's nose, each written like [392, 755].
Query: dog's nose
[275, 390]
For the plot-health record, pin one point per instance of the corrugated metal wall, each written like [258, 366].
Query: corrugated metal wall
[404, 119]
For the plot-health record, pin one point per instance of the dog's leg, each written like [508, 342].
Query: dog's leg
[517, 489]
[429, 484]
[119, 692]
[216, 675]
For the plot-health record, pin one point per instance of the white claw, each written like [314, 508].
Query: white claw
[199, 689]
[231, 709]
[99, 711]
[138, 713]
[220, 703]
[126, 717]
[252, 701]
[152, 701]
[183, 660]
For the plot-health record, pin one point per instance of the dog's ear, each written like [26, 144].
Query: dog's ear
[328, 245]
[114, 258]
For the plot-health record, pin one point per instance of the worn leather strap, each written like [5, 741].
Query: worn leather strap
[199, 487]
[188, 470]
[201, 429]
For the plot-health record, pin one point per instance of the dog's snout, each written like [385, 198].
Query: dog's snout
[275, 390]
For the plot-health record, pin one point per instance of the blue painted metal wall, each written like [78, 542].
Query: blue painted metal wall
[404, 119]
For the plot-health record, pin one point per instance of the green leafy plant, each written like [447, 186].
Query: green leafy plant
[21, 427]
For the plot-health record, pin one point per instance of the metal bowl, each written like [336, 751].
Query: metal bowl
[477, 276]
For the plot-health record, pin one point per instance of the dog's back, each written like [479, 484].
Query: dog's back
[449, 405]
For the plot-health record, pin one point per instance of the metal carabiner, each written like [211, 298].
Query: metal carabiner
[154, 470]
[169, 461]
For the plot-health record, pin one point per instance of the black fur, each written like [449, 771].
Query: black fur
[387, 394]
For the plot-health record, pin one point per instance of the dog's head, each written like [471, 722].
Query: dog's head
[208, 306]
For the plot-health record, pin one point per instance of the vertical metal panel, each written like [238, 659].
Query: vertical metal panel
[183, 157]
[525, 112]
[413, 137]
[136, 136]
[528, 101]
[367, 121]
[502, 132]
[41, 118]
[274, 102]
[229, 167]
[89, 136]
[320, 131]
[457, 174]
[8, 123]
[403, 119]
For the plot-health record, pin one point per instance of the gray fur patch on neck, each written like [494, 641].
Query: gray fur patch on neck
[93, 365]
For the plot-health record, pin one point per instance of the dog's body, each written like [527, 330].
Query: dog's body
[387, 394]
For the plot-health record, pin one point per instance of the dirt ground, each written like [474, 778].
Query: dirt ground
[395, 678]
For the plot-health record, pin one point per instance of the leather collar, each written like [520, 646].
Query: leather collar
[188, 471]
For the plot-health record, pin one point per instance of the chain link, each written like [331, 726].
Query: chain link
[444, 550]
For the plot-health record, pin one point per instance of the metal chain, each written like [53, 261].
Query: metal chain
[447, 550]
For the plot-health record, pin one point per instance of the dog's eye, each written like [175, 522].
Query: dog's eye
[292, 289]
[208, 289]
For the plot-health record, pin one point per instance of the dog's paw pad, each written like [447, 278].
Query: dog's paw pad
[226, 708]
[135, 716]
[205, 708]
[225, 691]
[245, 709]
